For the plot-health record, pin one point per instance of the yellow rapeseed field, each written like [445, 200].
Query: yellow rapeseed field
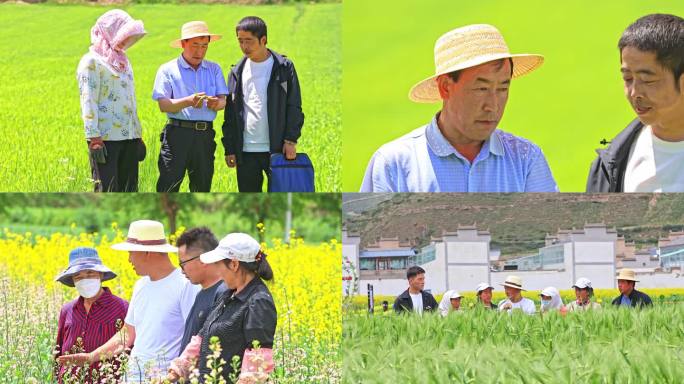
[305, 286]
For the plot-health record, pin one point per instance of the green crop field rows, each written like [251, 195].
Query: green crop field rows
[42, 144]
[566, 107]
[478, 346]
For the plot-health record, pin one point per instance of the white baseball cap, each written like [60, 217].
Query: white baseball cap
[454, 294]
[582, 283]
[239, 246]
[482, 286]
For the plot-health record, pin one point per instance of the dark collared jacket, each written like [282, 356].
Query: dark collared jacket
[403, 302]
[284, 107]
[237, 320]
[637, 298]
[607, 172]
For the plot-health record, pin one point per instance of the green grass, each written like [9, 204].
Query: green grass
[566, 107]
[42, 145]
[606, 346]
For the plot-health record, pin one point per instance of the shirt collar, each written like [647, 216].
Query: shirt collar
[185, 64]
[246, 291]
[442, 148]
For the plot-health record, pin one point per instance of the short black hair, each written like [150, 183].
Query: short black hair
[199, 238]
[661, 34]
[414, 271]
[456, 74]
[262, 269]
[252, 24]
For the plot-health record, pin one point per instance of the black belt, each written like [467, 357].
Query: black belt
[196, 125]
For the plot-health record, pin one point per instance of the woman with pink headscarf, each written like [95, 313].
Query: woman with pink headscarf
[108, 105]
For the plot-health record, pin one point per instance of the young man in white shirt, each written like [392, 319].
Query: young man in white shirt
[514, 300]
[264, 111]
[158, 309]
[415, 299]
[647, 156]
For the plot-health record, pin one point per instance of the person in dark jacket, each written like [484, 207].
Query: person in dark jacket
[629, 296]
[647, 155]
[414, 298]
[264, 113]
[245, 313]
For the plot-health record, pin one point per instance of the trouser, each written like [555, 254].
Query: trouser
[251, 169]
[119, 173]
[186, 149]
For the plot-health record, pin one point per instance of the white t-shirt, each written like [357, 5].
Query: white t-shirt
[158, 310]
[526, 305]
[654, 165]
[417, 300]
[255, 77]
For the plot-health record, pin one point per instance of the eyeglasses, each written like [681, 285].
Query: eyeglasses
[182, 263]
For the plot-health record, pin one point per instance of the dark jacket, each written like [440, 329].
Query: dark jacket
[637, 298]
[607, 172]
[284, 104]
[403, 302]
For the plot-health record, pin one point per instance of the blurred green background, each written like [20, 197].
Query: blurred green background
[314, 216]
[566, 107]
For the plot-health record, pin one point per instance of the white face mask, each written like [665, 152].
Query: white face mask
[546, 303]
[88, 287]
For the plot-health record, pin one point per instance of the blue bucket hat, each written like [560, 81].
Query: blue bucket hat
[80, 259]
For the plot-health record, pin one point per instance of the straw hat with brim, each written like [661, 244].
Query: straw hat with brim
[239, 246]
[146, 236]
[467, 47]
[513, 282]
[194, 29]
[81, 259]
[627, 274]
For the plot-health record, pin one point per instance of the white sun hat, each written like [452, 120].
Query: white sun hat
[239, 246]
[467, 47]
[146, 236]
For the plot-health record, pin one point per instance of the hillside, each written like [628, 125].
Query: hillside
[518, 222]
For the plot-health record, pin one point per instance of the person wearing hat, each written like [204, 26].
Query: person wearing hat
[451, 301]
[462, 149]
[514, 300]
[484, 295]
[583, 295]
[264, 114]
[415, 299]
[647, 155]
[159, 307]
[108, 105]
[190, 90]
[95, 316]
[245, 312]
[550, 300]
[629, 296]
[191, 244]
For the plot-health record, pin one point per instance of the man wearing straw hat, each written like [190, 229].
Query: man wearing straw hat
[95, 316]
[648, 154]
[159, 307]
[190, 90]
[629, 296]
[461, 149]
[514, 300]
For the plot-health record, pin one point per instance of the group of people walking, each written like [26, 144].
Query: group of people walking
[416, 299]
[262, 103]
[173, 313]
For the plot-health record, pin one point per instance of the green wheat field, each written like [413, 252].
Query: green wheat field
[566, 107]
[42, 143]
